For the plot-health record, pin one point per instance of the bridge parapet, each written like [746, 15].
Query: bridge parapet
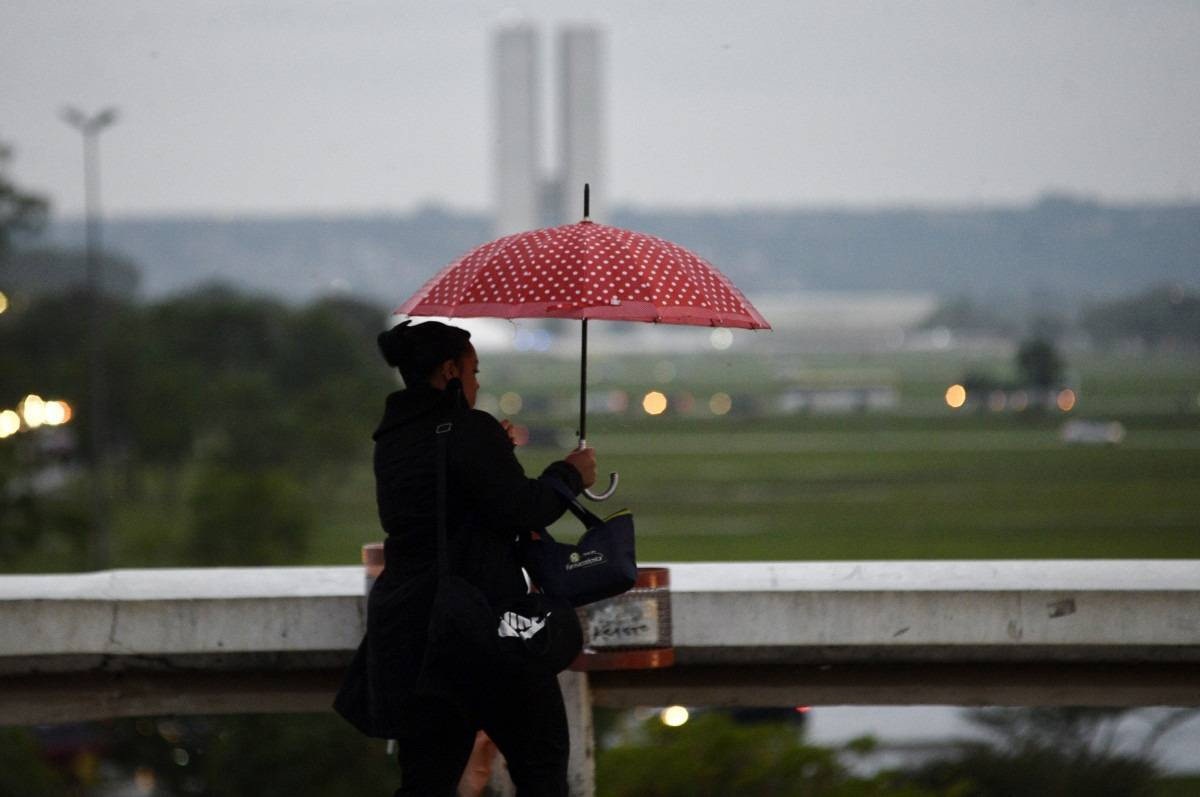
[1101, 632]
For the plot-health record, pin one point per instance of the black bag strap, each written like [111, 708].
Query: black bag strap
[580, 511]
[442, 433]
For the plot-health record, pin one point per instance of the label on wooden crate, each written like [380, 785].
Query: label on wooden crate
[623, 623]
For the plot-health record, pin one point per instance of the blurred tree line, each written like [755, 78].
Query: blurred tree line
[1057, 752]
[237, 408]
[1165, 317]
[1051, 752]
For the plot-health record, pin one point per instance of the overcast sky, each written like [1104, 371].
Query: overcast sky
[266, 106]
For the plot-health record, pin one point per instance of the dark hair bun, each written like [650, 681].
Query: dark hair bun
[394, 343]
[417, 349]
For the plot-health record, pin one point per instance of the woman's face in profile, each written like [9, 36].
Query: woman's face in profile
[468, 368]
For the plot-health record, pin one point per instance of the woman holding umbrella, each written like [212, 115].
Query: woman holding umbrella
[489, 502]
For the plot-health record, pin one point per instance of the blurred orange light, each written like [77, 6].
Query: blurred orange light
[1066, 400]
[654, 403]
[57, 413]
[956, 396]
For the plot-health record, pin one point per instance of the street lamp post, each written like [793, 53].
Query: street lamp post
[90, 127]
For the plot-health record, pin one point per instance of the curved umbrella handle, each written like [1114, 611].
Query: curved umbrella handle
[613, 479]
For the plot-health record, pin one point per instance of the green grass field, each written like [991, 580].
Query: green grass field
[921, 482]
[750, 493]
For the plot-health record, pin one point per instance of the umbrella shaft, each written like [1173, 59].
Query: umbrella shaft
[583, 386]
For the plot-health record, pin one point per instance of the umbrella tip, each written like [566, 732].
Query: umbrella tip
[587, 200]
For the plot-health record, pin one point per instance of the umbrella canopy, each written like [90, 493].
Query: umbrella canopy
[585, 270]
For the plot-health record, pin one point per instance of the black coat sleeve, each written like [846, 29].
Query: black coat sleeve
[494, 484]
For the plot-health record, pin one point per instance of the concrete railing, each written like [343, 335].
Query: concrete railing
[131, 642]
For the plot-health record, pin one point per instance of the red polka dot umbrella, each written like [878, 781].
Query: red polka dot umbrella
[585, 271]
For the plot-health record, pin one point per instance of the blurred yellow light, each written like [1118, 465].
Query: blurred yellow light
[511, 403]
[57, 413]
[1019, 401]
[1066, 400]
[956, 396]
[33, 411]
[3, 302]
[654, 403]
[10, 423]
[720, 403]
[673, 716]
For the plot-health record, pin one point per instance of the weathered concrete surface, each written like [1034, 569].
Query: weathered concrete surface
[169, 612]
[1016, 610]
[1098, 632]
[782, 610]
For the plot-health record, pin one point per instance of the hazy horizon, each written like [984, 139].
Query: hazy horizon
[849, 207]
[262, 107]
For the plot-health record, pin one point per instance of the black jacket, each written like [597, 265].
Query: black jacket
[490, 501]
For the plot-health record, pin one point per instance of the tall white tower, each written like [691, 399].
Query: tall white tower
[517, 144]
[581, 121]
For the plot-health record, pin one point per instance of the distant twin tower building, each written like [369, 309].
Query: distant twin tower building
[525, 197]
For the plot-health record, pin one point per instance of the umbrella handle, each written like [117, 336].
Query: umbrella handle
[613, 479]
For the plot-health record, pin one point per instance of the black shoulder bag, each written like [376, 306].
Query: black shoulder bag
[468, 637]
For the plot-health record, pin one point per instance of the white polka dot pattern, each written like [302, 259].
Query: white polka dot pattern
[585, 270]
